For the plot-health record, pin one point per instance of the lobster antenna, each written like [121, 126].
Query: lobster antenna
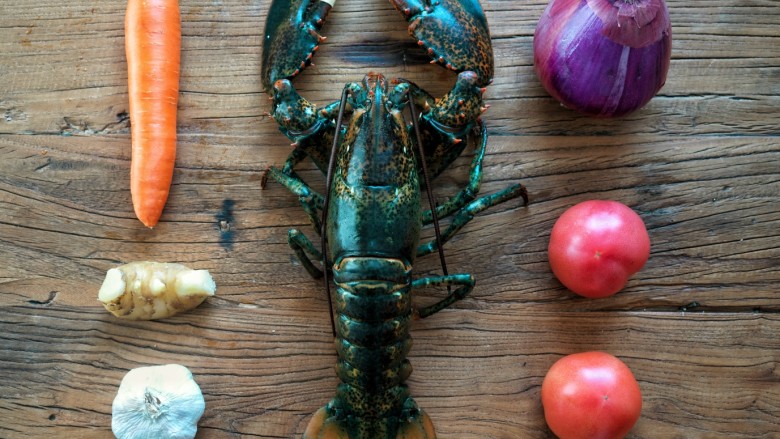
[326, 202]
[427, 179]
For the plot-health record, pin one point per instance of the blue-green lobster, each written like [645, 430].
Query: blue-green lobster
[370, 218]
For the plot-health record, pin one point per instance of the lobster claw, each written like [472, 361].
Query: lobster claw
[291, 37]
[454, 32]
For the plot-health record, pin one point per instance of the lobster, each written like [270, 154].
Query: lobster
[370, 218]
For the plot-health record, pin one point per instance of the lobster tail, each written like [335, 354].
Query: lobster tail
[373, 304]
[325, 426]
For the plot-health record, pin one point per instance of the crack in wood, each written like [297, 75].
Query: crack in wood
[47, 302]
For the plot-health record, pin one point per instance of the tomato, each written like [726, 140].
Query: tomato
[596, 245]
[590, 395]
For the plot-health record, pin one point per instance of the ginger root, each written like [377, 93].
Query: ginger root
[154, 290]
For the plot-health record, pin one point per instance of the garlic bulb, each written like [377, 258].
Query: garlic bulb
[157, 402]
[154, 290]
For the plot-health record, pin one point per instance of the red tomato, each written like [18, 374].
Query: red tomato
[596, 245]
[590, 395]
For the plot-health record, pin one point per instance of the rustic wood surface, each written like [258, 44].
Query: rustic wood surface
[698, 325]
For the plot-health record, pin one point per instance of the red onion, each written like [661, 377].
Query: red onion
[603, 57]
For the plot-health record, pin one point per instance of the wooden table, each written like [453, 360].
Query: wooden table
[698, 325]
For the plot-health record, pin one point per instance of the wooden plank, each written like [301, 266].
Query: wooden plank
[264, 371]
[72, 79]
[713, 195]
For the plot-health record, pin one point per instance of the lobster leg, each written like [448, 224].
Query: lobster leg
[293, 159]
[469, 192]
[312, 131]
[301, 245]
[466, 282]
[289, 167]
[466, 214]
[311, 201]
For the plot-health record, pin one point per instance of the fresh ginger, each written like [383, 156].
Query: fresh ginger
[154, 290]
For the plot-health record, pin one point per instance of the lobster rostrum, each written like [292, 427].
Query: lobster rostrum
[370, 218]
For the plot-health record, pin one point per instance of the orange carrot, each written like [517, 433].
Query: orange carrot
[153, 49]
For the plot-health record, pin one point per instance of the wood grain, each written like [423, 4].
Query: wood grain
[698, 325]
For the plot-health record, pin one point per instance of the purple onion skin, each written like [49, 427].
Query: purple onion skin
[603, 58]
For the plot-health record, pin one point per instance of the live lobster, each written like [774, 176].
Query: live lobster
[370, 218]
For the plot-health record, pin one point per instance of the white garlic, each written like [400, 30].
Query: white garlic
[153, 290]
[157, 402]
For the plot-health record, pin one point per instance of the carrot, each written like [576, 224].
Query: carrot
[153, 49]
